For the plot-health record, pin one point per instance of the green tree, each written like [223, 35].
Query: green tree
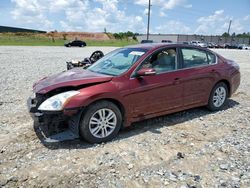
[125, 35]
[225, 35]
[129, 34]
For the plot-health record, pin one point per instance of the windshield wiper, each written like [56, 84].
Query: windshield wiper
[99, 72]
[107, 73]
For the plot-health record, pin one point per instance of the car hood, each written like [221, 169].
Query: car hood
[72, 78]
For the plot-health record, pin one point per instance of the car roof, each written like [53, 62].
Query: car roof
[155, 46]
[150, 46]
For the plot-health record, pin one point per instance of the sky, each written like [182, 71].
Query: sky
[207, 17]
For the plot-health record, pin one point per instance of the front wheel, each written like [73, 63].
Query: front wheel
[218, 97]
[101, 122]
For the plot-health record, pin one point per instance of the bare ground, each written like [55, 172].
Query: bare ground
[193, 148]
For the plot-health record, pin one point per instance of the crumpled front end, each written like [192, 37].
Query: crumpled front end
[58, 100]
[54, 126]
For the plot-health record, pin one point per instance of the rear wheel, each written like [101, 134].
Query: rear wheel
[101, 122]
[218, 97]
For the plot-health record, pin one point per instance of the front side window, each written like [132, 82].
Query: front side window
[162, 61]
[194, 58]
[117, 62]
[211, 58]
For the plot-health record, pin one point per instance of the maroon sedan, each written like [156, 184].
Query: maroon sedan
[132, 84]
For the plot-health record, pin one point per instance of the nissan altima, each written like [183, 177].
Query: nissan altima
[132, 84]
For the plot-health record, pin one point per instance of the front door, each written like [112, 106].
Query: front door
[160, 92]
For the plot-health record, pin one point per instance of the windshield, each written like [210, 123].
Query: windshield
[118, 61]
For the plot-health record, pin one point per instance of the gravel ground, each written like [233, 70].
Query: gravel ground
[193, 148]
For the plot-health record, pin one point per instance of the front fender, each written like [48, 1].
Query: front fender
[94, 93]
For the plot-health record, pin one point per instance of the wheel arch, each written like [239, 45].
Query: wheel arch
[210, 104]
[114, 101]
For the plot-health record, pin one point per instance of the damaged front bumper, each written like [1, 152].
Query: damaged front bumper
[54, 126]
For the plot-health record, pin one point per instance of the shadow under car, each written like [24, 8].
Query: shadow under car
[153, 125]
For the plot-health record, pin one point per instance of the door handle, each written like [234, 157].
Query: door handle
[176, 80]
[213, 70]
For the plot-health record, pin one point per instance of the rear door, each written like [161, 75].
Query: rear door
[198, 66]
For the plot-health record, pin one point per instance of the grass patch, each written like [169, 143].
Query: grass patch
[112, 42]
[24, 39]
[27, 40]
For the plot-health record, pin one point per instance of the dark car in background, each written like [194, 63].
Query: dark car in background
[184, 42]
[230, 46]
[146, 41]
[131, 84]
[167, 41]
[78, 43]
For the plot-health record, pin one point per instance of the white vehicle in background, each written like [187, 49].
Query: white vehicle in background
[199, 43]
[244, 47]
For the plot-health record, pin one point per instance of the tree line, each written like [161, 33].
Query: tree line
[242, 35]
[125, 35]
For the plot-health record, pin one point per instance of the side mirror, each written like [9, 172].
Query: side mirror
[146, 72]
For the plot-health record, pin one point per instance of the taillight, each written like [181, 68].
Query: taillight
[234, 64]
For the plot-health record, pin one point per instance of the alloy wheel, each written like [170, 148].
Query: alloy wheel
[219, 96]
[102, 123]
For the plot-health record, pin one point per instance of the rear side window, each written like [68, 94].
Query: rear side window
[195, 58]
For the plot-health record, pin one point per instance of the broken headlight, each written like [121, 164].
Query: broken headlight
[57, 102]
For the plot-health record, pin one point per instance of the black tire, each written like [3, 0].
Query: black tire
[84, 127]
[96, 55]
[211, 103]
